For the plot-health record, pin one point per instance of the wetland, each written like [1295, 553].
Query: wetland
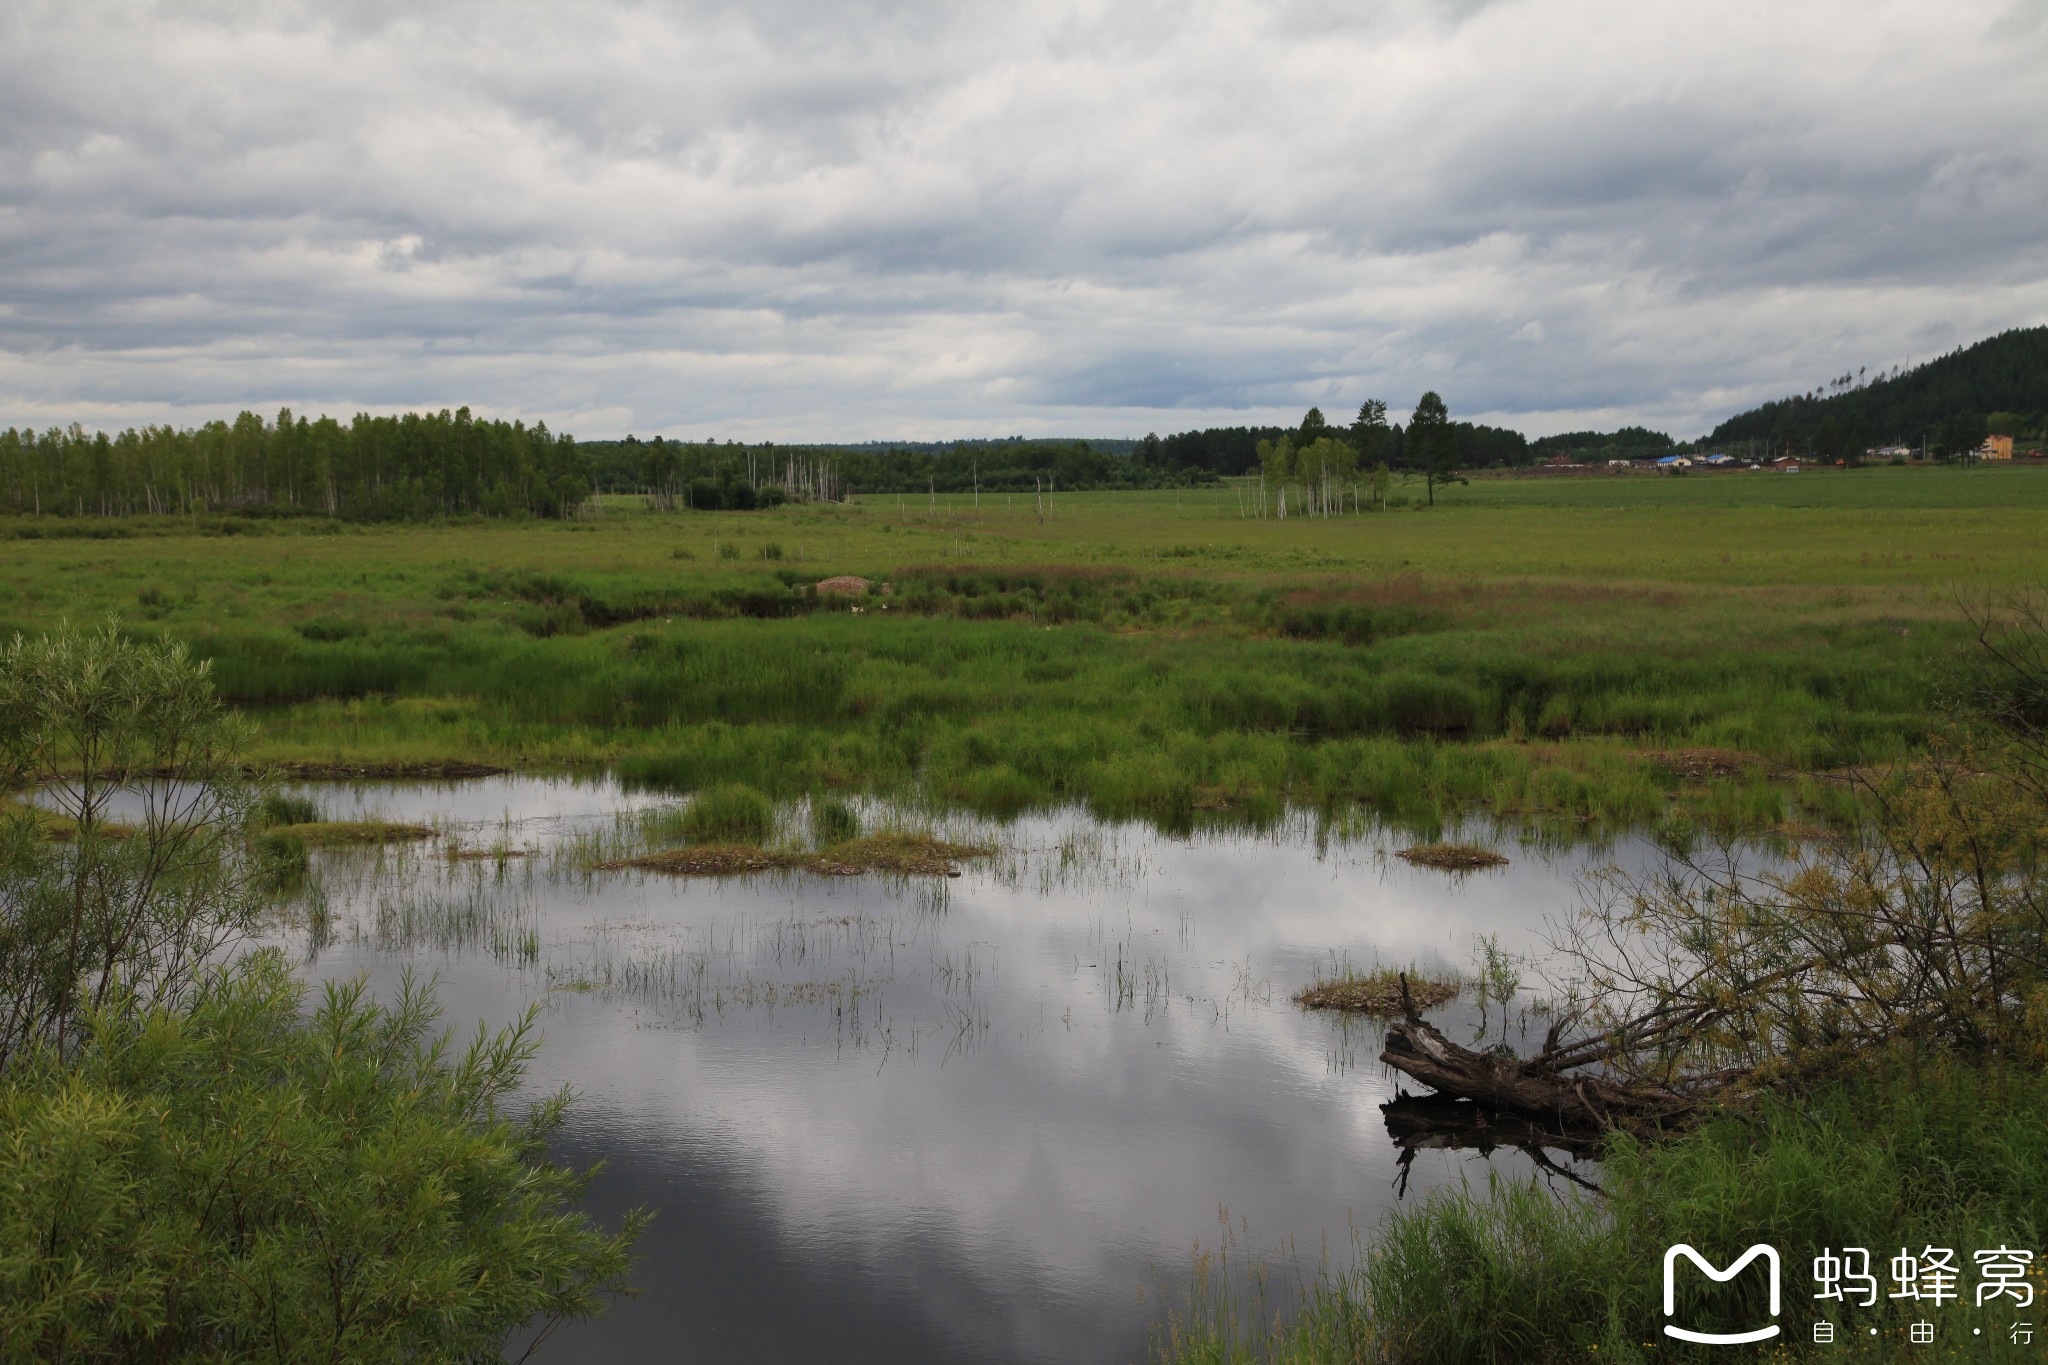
[986, 1117]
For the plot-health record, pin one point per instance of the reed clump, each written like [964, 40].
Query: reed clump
[728, 814]
[285, 808]
[1451, 857]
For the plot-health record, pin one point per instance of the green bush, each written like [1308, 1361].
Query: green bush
[729, 815]
[239, 1182]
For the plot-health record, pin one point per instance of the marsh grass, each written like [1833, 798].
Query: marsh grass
[285, 808]
[330, 833]
[833, 822]
[728, 813]
[1154, 659]
[475, 917]
[1913, 1153]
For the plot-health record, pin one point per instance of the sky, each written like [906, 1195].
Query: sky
[904, 219]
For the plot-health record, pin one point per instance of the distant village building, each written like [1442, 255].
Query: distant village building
[1889, 453]
[1995, 448]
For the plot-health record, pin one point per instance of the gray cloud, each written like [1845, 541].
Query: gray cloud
[906, 218]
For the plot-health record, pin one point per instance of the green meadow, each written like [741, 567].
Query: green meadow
[1548, 647]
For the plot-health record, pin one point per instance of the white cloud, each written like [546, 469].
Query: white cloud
[797, 219]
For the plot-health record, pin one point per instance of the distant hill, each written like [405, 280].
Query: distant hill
[2005, 377]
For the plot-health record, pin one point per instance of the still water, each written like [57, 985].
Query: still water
[986, 1118]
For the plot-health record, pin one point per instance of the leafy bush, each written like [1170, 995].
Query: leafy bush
[238, 1182]
[136, 906]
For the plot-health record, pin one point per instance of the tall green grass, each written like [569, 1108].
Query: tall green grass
[729, 814]
[1945, 1155]
[1150, 655]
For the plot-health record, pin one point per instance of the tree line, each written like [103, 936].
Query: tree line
[409, 467]
[1946, 406]
[730, 476]
[419, 466]
[1235, 451]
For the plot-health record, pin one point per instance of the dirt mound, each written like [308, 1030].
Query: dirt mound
[908, 855]
[1452, 857]
[1376, 993]
[843, 585]
[714, 860]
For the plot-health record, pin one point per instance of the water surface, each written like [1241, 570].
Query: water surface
[974, 1119]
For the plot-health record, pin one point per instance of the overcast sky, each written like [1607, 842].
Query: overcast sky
[902, 218]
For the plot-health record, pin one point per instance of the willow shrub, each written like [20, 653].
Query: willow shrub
[237, 1181]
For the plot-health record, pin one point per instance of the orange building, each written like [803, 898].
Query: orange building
[1995, 448]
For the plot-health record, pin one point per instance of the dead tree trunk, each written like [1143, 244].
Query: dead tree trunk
[1538, 1087]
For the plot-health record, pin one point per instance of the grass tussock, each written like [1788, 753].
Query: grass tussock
[1378, 992]
[728, 814]
[284, 808]
[334, 833]
[56, 826]
[1451, 857]
[909, 855]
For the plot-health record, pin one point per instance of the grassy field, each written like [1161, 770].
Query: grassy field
[1549, 647]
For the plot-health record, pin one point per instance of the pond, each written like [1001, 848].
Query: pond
[981, 1118]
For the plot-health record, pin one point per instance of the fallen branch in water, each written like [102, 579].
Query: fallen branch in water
[1537, 1086]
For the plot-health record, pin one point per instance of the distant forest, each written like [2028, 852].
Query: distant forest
[713, 476]
[422, 466]
[1235, 450]
[1629, 443]
[1999, 385]
[406, 468]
